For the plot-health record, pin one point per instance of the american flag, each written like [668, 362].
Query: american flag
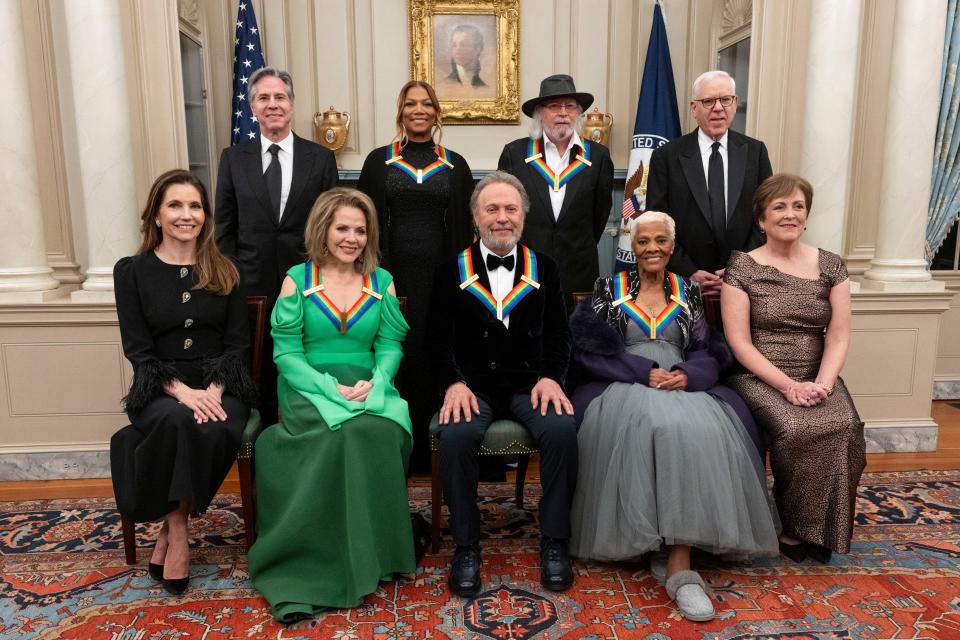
[247, 58]
[657, 123]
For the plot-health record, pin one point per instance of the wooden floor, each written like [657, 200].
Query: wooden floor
[947, 456]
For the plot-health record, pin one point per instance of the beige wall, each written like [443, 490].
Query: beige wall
[61, 367]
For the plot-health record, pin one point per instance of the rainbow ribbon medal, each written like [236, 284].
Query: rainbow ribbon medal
[469, 281]
[394, 158]
[651, 325]
[535, 159]
[313, 290]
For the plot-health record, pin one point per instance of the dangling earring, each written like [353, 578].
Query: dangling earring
[360, 263]
[403, 135]
[324, 251]
[157, 220]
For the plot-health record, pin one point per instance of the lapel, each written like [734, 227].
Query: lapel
[480, 268]
[692, 165]
[737, 157]
[537, 185]
[303, 159]
[573, 186]
[253, 167]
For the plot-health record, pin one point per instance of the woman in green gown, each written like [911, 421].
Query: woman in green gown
[332, 514]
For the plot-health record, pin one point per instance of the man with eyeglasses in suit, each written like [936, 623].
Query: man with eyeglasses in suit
[705, 180]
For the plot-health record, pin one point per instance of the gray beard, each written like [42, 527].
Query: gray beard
[500, 246]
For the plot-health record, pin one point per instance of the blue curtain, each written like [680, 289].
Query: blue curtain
[945, 195]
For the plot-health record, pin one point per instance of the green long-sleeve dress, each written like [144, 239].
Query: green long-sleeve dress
[332, 511]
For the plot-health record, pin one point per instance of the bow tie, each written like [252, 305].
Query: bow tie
[494, 261]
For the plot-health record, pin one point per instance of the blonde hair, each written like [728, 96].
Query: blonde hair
[321, 217]
[654, 216]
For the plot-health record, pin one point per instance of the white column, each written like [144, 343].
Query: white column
[109, 207]
[829, 95]
[912, 105]
[24, 272]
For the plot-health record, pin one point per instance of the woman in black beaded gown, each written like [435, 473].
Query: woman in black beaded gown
[183, 324]
[422, 194]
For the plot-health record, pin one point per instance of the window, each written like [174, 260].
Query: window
[948, 257]
[195, 102]
[735, 60]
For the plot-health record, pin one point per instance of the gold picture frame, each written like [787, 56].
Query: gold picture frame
[477, 82]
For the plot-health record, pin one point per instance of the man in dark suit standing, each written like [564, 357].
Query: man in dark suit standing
[265, 190]
[501, 347]
[705, 180]
[570, 182]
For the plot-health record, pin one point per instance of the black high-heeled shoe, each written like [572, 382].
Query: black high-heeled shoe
[818, 553]
[155, 571]
[796, 552]
[176, 586]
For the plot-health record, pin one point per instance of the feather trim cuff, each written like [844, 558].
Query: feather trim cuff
[149, 378]
[232, 372]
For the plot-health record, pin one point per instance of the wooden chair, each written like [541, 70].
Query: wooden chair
[503, 438]
[245, 462]
[580, 296]
[257, 317]
[257, 313]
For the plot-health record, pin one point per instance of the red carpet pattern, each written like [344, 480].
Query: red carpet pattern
[62, 575]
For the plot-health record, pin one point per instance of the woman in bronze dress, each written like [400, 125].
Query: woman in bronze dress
[786, 315]
[421, 191]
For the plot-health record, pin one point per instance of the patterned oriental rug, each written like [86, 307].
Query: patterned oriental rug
[62, 575]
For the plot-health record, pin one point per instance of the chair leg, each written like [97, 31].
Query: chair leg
[436, 501]
[247, 497]
[129, 539]
[522, 461]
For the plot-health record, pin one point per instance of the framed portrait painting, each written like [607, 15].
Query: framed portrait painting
[469, 50]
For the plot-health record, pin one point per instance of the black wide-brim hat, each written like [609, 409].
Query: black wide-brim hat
[557, 86]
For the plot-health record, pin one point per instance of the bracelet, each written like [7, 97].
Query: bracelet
[825, 387]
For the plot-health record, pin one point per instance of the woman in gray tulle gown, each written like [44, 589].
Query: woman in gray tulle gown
[667, 456]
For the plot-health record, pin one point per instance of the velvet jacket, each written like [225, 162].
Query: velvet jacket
[468, 344]
[600, 356]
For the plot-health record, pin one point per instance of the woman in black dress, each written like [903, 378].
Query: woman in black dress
[183, 323]
[422, 194]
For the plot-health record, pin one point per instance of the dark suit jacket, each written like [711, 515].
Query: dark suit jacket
[677, 186]
[468, 344]
[571, 240]
[247, 227]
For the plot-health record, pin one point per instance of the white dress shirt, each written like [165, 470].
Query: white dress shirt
[501, 280]
[285, 156]
[706, 148]
[557, 163]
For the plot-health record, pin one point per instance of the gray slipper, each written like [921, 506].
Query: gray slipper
[686, 588]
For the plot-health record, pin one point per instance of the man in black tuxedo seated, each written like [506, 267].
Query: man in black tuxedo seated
[501, 347]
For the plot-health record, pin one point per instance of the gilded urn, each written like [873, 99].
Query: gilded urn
[331, 128]
[596, 126]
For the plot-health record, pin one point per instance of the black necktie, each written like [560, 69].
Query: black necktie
[718, 207]
[274, 179]
[495, 261]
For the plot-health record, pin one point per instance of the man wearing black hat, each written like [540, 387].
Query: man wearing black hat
[570, 182]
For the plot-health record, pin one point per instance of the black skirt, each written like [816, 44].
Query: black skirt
[165, 457]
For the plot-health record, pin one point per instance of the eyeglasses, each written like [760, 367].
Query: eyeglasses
[556, 107]
[725, 101]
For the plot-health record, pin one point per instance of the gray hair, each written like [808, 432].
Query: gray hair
[712, 75]
[499, 177]
[536, 128]
[268, 72]
[654, 216]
